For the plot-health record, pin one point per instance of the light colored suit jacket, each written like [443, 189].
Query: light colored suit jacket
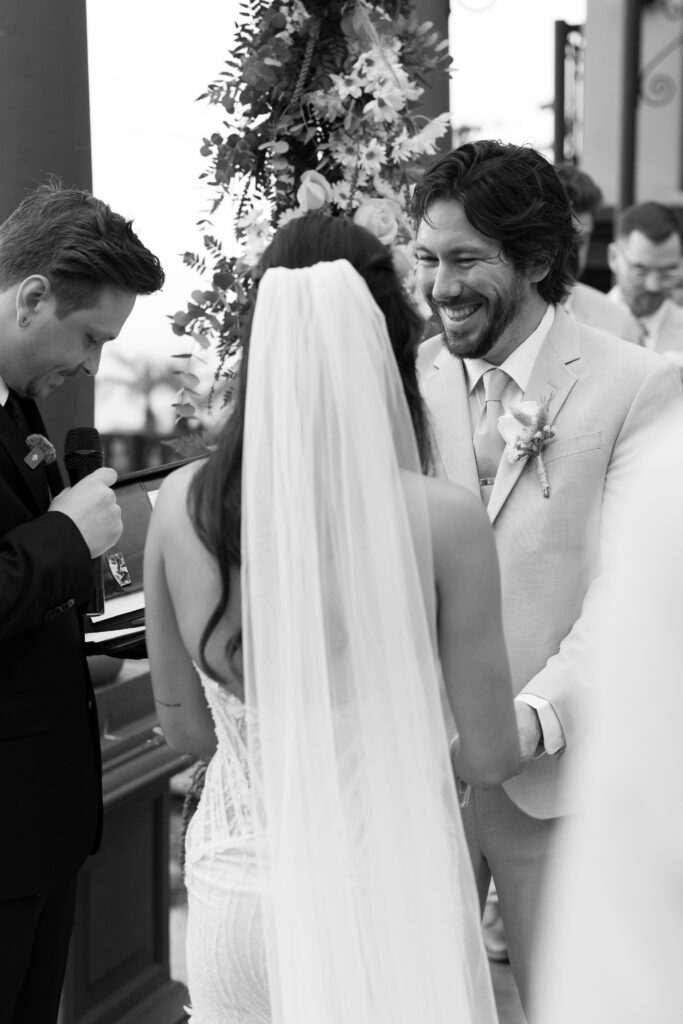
[592, 307]
[605, 394]
[669, 337]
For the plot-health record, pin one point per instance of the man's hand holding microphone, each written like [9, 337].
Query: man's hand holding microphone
[91, 505]
[90, 502]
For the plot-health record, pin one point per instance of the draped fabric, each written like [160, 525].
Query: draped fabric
[610, 947]
[370, 910]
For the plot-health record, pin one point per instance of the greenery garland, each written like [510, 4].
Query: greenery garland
[320, 106]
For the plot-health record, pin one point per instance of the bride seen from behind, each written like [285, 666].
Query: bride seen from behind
[327, 871]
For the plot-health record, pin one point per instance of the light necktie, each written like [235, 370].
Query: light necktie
[643, 333]
[487, 441]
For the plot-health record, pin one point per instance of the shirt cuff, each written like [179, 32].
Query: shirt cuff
[552, 735]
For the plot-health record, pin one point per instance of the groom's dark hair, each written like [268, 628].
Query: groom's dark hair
[513, 195]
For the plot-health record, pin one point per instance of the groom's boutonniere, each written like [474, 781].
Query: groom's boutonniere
[525, 430]
[40, 450]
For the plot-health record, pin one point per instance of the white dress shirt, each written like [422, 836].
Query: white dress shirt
[4, 392]
[518, 366]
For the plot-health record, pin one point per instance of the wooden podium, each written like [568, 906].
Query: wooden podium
[118, 971]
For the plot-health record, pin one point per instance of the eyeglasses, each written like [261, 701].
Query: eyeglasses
[639, 272]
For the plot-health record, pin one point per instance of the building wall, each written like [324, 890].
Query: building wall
[659, 174]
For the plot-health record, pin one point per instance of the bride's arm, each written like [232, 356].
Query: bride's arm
[181, 705]
[472, 649]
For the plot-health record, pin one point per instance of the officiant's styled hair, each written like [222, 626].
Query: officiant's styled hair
[79, 244]
[514, 196]
[654, 220]
[214, 501]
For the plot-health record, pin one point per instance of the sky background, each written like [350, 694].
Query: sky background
[149, 60]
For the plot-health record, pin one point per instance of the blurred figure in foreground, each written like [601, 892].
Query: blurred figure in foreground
[586, 304]
[646, 262]
[611, 941]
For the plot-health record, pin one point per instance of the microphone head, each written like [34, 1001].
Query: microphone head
[82, 439]
[82, 453]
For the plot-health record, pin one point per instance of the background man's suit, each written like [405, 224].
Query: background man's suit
[604, 394]
[49, 736]
[667, 323]
[593, 308]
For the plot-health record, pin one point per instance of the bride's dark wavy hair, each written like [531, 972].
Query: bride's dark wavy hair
[215, 497]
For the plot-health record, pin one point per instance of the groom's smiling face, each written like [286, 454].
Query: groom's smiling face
[482, 299]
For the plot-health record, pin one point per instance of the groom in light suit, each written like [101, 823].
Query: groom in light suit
[495, 241]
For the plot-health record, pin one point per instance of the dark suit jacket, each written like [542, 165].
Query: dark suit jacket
[49, 737]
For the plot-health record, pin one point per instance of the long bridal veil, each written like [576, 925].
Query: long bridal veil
[611, 945]
[371, 915]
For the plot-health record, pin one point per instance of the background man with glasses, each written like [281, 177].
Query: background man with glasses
[646, 262]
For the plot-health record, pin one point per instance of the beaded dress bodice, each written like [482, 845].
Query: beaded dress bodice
[226, 965]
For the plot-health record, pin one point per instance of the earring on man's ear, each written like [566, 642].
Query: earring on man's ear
[24, 322]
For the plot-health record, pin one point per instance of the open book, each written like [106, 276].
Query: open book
[120, 630]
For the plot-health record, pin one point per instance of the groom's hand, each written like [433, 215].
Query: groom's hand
[529, 729]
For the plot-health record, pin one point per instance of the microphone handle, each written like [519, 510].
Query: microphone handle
[96, 599]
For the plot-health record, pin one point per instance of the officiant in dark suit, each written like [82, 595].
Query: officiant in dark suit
[70, 272]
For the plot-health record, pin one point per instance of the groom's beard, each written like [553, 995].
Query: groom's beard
[476, 336]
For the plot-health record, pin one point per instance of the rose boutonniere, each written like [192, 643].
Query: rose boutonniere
[40, 450]
[526, 432]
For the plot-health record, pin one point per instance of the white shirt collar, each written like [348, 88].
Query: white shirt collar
[519, 363]
[653, 322]
[4, 392]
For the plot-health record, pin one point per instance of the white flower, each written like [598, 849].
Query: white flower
[372, 155]
[380, 216]
[314, 192]
[347, 85]
[512, 430]
[341, 193]
[256, 219]
[386, 106]
[425, 141]
[344, 151]
[328, 105]
[288, 215]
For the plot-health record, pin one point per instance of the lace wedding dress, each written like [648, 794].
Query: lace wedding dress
[225, 947]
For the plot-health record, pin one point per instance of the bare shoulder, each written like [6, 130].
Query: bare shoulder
[172, 495]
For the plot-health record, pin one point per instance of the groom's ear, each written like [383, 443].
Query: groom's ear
[612, 257]
[536, 272]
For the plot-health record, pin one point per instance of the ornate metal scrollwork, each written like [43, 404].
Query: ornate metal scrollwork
[657, 88]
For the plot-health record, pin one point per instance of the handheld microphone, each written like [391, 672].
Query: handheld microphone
[82, 456]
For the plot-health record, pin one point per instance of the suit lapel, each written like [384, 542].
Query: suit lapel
[52, 471]
[444, 387]
[31, 484]
[551, 376]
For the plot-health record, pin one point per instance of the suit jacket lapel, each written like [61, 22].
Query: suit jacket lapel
[551, 376]
[445, 391]
[30, 484]
[52, 471]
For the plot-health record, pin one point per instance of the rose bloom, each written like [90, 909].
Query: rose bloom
[314, 191]
[381, 217]
[512, 430]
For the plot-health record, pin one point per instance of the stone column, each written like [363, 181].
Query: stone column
[436, 98]
[45, 130]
